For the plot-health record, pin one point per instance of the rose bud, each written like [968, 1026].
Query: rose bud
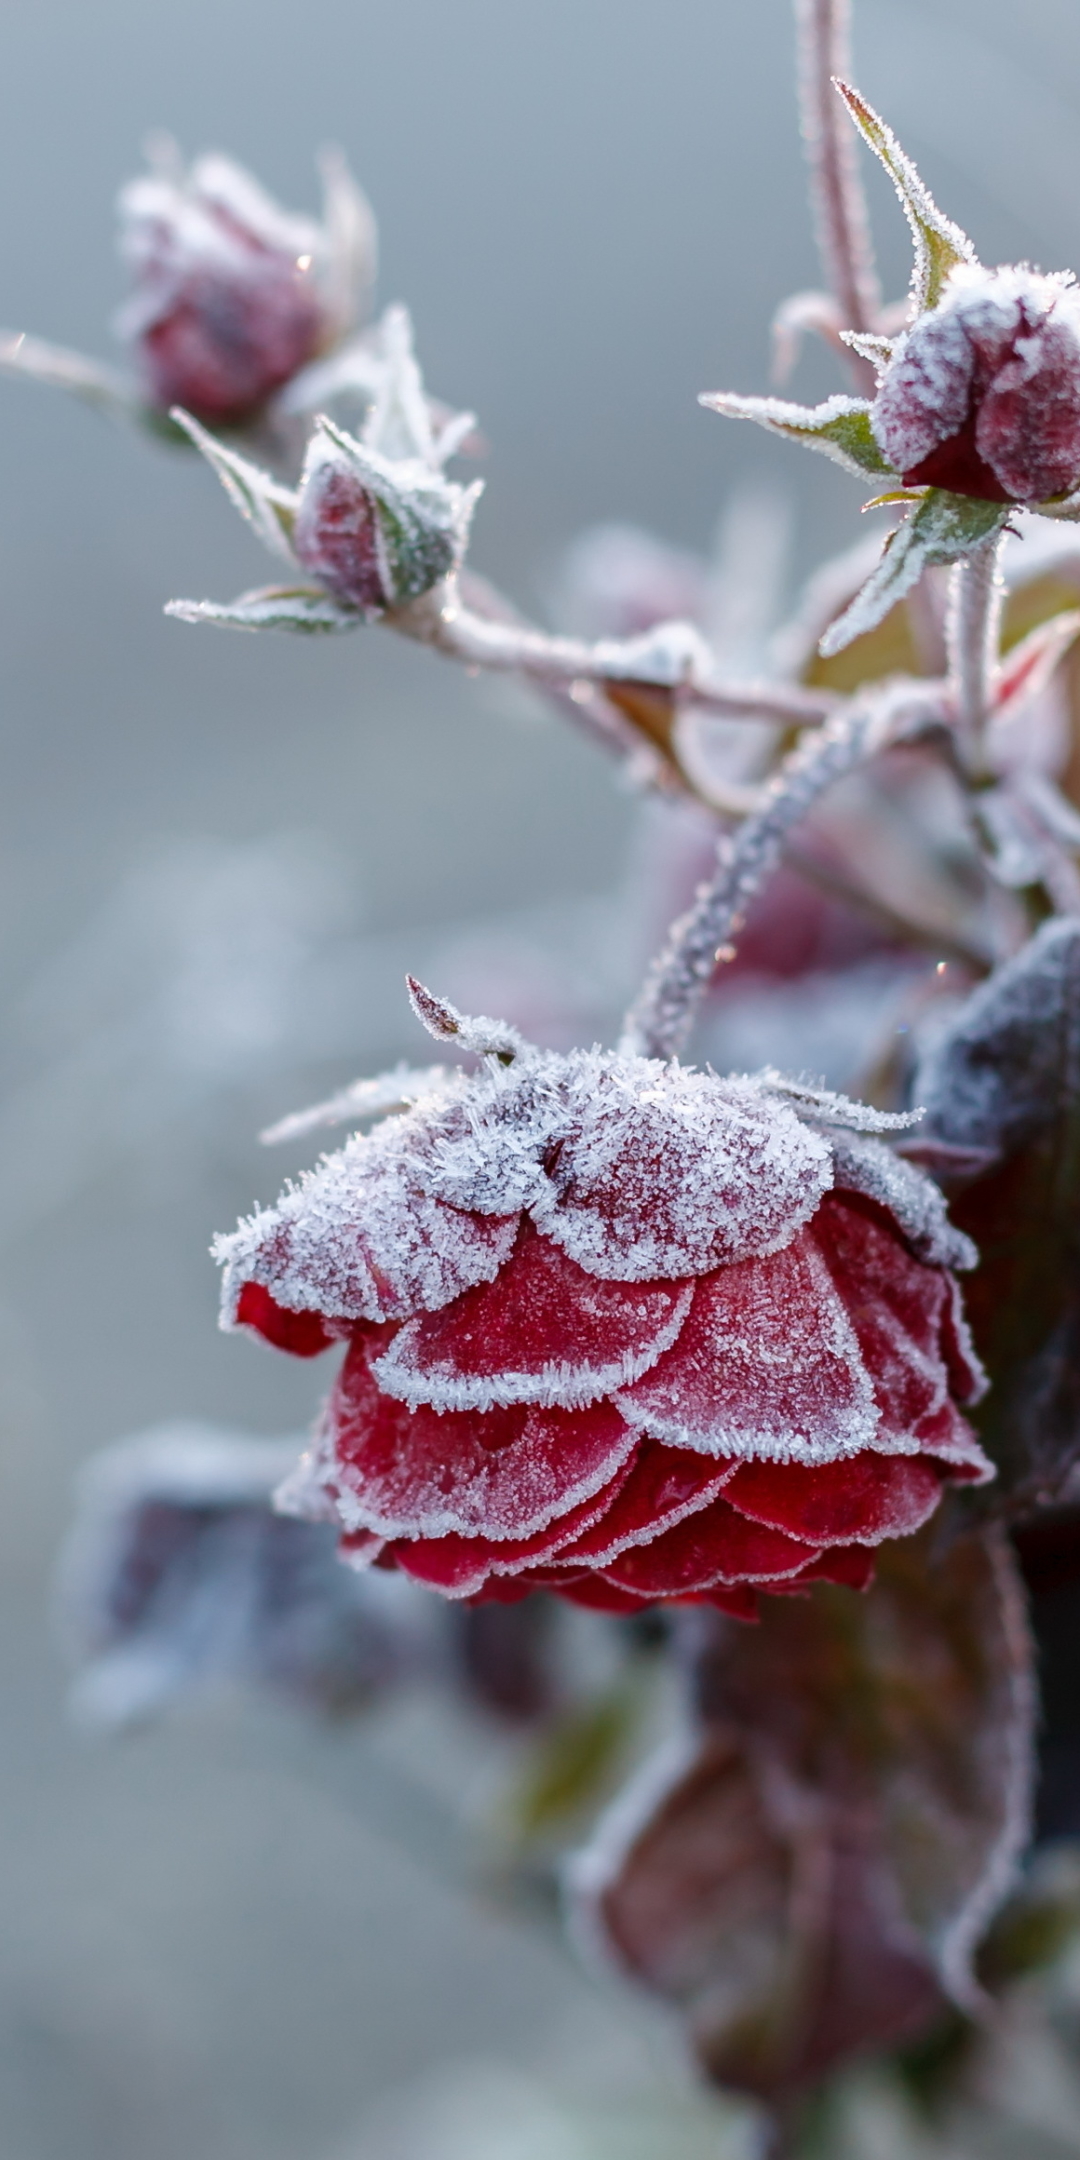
[982, 394]
[233, 295]
[616, 1329]
[376, 531]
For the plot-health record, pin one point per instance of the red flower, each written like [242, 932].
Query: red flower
[982, 395]
[227, 303]
[620, 1330]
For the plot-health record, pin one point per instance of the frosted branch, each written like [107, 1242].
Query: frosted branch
[659, 1022]
[673, 656]
[973, 639]
[840, 215]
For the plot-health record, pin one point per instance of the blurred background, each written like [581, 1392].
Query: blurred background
[225, 1936]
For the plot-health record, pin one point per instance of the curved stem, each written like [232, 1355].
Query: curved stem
[673, 656]
[840, 215]
[660, 1020]
[973, 642]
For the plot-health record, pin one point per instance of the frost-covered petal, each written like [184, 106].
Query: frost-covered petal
[900, 1310]
[664, 1487]
[498, 1474]
[360, 1239]
[544, 1331]
[864, 1499]
[666, 1172]
[461, 1566]
[864, 1165]
[767, 1365]
[303, 1334]
[719, 1545]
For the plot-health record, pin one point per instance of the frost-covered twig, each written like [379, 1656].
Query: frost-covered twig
[672, 656]
[840, 215]
[659, 1022]
[973, 634]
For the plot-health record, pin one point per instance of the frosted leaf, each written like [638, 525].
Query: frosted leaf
[351, 245]
[492, 1038]
[864, 1165]
[93, 380]
[840, 428]
[823, 1106]
[360, 1239]
[307, 610]
[939, 244]
[544, 1331]
[669, 1172]
[178, 1571]
[942, 529]
[996, 1078]
[266, 505]
[396, 1090]
[767, 1365]
[503, 1473]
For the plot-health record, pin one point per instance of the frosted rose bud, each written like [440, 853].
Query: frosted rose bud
[618, 1330]
[376, 531]
[982, 395]
[227, 304]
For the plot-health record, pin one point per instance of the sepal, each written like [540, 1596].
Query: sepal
[307, 610]
[266, 505]
[840, 428]
[942, 529]
[939, 244]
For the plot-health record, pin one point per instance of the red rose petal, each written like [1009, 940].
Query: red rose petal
[948, 1438]
[868, 1497]
[897, 1307]
[766, 1364]
[498, 1474]
[461, 1566]
[718, 1546]
[303, 1334]
[852, 1565]
[544, 1331]
[663, 1487]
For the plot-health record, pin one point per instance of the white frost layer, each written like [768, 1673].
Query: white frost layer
[864, 1165]
[404, 1372]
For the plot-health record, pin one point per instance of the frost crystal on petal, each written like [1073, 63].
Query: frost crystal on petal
[864, 1165]
[668, 1172]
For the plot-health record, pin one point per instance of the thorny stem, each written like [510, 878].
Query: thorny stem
[840, 214]
[973, 642]
[672, 657]
[660, 1020]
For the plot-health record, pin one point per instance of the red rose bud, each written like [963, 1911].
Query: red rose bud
[227, 304]
[982, 395]
[376, 531]
[621, 1331]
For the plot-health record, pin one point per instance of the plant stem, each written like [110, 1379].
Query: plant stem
[973, 641]
[672, 657]
[841, 220]
[660, 1020]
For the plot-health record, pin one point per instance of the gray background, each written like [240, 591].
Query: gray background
[219, 854]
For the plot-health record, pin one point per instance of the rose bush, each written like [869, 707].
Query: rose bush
[618, 1329]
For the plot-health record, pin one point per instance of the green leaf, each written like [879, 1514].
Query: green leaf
[812, 1877]
[840, 428]
[943, 529]
[1006, 1079]
[266, 505]
[303, 608]
[939, 244]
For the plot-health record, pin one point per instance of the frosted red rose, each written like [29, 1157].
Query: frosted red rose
[982, 395]
[619, 1330]
[227, 303]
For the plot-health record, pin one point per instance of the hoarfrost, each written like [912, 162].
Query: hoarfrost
[864, 1165]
